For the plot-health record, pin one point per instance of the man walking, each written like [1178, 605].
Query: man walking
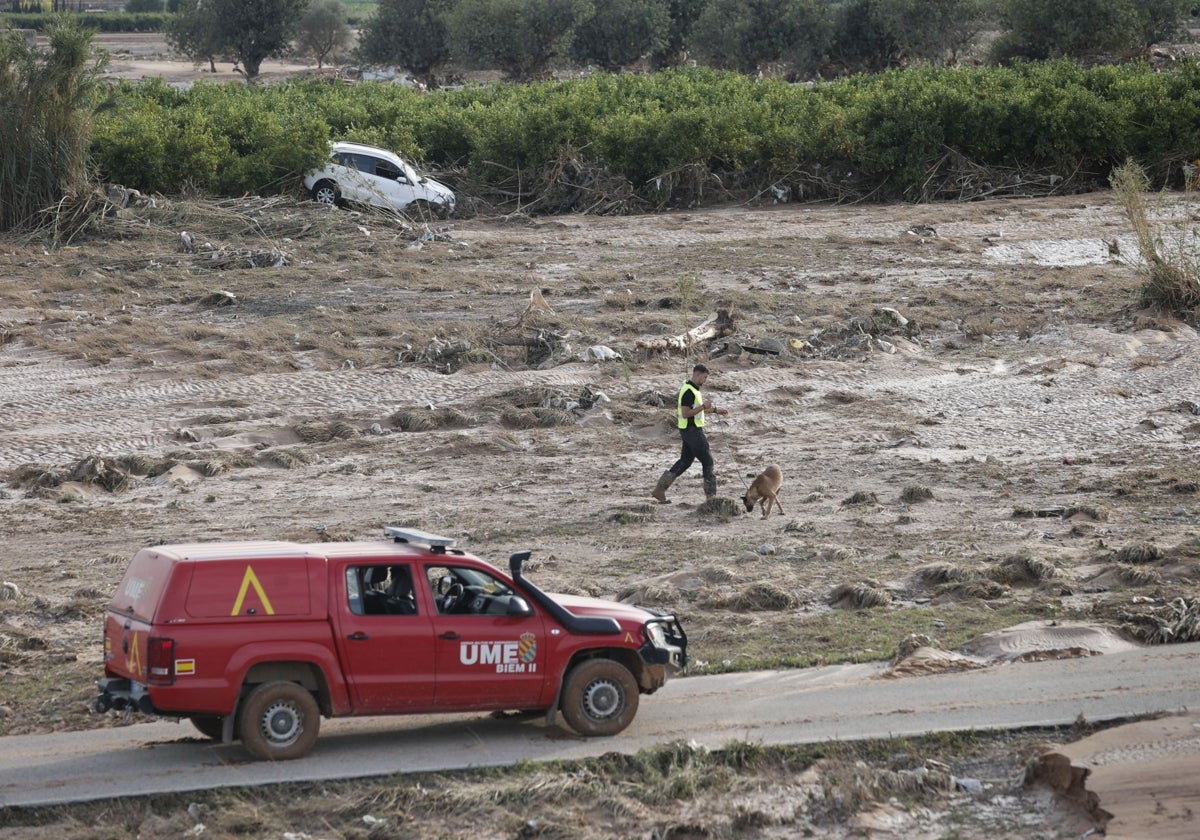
[689, 419]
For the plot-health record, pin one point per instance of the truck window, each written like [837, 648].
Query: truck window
[380, 590]
[458, 590]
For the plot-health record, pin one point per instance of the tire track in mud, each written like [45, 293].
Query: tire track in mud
[61, 414]
[1019, 409]
[56, 413]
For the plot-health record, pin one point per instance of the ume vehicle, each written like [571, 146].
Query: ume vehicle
[258, 640]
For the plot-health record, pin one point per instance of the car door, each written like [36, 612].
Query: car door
[486, 659]
[385, 639]
[394, 184]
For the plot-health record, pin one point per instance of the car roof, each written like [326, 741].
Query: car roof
[346, 146]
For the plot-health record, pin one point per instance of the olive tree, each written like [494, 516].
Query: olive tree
[194, 33]
[409, 34]
[622, 31]
[1038, 29]
[872, 35]
[520, 37]
[323, 32]
[681, 17]
[247, 31]
[740, 35]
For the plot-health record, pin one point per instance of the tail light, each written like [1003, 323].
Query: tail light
[160, 661]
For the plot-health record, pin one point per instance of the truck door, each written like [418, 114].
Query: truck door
[486, 659]
[384, 639]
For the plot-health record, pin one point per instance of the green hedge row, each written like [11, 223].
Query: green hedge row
[883, 135]
[98, 21]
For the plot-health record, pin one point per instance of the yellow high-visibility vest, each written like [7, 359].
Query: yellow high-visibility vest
[681, 421]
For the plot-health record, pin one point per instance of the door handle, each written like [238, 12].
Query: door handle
[358, 637]
[449, 634]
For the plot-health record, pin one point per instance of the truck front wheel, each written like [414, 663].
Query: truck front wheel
[600, 697]
[279, 721]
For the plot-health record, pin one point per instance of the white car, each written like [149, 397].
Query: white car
[368, 175]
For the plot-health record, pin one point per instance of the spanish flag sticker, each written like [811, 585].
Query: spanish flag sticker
[183, 667]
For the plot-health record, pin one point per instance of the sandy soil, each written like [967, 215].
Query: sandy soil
[985, 463]
[1017, 446]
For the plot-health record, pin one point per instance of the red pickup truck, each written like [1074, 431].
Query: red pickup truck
[258, 640]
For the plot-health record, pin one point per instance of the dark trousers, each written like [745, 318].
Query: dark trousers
[695, 447]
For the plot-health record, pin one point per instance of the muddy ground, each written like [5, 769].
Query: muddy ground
[977, 424]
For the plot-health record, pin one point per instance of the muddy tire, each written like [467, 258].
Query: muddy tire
[600, 697]
[279, 721]
[208, 725]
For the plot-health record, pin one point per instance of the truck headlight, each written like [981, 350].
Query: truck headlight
[656, 634]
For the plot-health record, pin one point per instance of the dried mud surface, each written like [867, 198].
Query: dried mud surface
[1020, 449]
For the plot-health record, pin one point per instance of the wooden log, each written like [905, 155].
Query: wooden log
[717, 325]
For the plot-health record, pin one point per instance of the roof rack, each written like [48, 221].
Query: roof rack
[437, 545]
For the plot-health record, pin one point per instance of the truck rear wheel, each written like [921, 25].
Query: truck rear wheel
[600, 697]
[279, 721]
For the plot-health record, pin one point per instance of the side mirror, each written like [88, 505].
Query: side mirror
[518, 607]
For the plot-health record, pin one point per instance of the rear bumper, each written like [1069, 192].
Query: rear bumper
[120, 694]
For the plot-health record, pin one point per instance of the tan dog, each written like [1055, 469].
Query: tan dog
[765, 489]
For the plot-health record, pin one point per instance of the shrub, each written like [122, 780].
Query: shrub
[45, 122]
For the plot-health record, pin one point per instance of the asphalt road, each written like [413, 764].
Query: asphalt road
[768, 707]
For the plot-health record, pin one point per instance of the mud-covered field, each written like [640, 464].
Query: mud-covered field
[976, 425]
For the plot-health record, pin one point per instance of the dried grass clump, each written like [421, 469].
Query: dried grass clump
[719, 507]
[913, 494]
[861, 497]
[1138, 553]
[637, 515]
[548, 417]
[859, 595]
[980, 590]
[720, 574]
[137, 464]
[911, 643]
[317, 432]
[522, 418]
[936, 573]
[1022, 568]
[530, 396]
[426, 420]
[288, 459]
[763, 596]
[1138, 575]
[834, 554]
[35, 476]
[102, 472]
[1093, 513]
[1169, 265]
[1175, 622]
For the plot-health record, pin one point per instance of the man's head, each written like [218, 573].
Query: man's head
[699, 374]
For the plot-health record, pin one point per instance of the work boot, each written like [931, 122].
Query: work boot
[710, 486]
[660, 490]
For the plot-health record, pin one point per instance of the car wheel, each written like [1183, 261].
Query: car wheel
[279, 721]
[209, 726]
[326, 192]
[600, 697]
